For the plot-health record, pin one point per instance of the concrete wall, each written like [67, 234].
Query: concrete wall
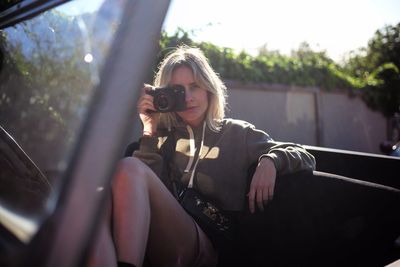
[347, 123]
[308, 116]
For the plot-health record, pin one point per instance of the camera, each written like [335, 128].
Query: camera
[168, 99]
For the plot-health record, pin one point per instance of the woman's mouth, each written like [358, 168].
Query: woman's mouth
[190, 108]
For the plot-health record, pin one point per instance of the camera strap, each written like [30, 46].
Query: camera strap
[193, 153]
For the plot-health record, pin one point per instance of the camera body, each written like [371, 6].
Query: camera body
[169, 99]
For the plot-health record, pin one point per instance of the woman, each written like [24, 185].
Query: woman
[197, 147]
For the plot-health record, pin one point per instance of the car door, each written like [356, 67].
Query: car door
[70, 76]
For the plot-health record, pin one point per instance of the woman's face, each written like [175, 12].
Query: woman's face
[196, 96]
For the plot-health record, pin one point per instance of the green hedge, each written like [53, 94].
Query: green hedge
[303, 68]
[361, 72]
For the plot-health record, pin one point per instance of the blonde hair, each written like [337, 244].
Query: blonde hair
[204, 75]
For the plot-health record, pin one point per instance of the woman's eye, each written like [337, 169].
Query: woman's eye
[194, 87]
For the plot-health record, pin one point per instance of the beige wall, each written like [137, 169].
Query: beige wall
[308, 116]
[347, 123]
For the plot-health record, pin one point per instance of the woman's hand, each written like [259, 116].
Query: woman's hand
[262, 184]
[147, 112]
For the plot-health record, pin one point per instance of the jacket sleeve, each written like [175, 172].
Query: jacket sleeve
[149, 153]
[288, 157]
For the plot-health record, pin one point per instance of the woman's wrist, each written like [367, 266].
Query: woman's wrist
[264, 159]
[149, 133]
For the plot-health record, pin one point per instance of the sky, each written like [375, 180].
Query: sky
[336, 27]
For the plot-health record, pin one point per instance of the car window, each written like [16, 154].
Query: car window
[49, 71]
[50, 67]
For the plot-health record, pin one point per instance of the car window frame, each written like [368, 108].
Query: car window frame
[66, 236]
[110, 115]
[26, 9]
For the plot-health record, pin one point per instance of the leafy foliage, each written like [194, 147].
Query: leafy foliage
[44, 84]
[377, 66]
[382, 91]
[304, 67]
[371, 71]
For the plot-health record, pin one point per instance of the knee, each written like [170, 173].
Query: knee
[130, 164]
[130, 171]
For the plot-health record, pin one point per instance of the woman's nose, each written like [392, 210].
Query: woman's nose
[189, 95]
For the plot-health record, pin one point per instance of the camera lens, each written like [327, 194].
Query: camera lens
[163, 102]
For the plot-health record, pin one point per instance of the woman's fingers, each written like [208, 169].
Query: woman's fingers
[266, 197]
[261, 192]
[147, 112]
[251, 195]
[262, 184]
[259, 196]
[145, 104]
[271, 190]
[263, 196]
[260, 200]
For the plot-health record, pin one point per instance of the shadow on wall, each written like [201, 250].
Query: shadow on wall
[349, 124]
[308, 116]
[286, 116]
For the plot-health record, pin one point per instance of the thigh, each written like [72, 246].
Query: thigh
[173, 233]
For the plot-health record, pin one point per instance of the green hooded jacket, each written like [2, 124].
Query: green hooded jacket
[221, 172]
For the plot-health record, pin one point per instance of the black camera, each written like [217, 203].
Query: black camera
[168, 99]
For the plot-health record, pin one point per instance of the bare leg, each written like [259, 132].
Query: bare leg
[103, 251]
[144, 210]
